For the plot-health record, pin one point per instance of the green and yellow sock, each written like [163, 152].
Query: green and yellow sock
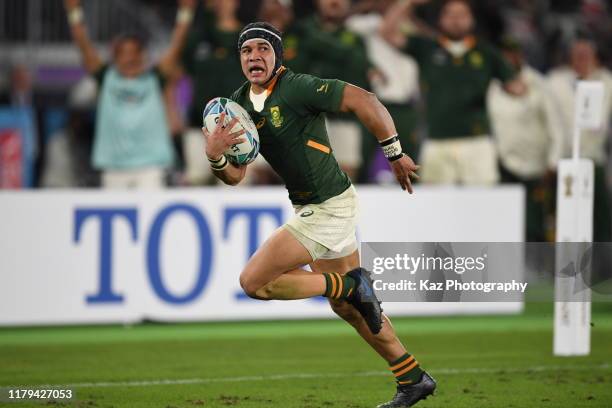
[338, 286]
[406, 370]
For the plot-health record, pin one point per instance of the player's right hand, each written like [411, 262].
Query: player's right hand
[222, 138]
[405, 169]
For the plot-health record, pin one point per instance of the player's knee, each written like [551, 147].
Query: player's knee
[254, 288]
[249, 285]
[345, 311]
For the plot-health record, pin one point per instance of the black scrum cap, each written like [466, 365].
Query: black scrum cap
[266, 32]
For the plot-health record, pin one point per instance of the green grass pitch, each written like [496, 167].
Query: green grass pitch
[495, 361]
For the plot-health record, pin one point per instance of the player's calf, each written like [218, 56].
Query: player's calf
[356, 288]
[346, 312]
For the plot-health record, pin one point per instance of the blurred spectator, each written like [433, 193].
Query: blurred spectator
[211, 60]
[279, 13]
[132, 142]
[21, 92]
[396, 87]
[584, 65]
[529, 138]
[523, 23]
[328, 27]
[177, 98]
[68, 149]
[598, 21]
[20, 161]
[455, 70]
[304, 42]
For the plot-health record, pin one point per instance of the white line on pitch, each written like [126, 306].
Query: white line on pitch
[442, 371]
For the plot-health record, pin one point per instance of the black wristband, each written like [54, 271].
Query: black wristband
[394, 158]
[389, 141]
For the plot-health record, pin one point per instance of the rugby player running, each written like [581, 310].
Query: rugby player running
[289, 111]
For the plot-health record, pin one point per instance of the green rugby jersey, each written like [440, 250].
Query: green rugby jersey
[293, 136]
[210, 53]
[455, 88]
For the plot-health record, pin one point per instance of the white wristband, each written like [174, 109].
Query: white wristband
[392, 148]
[219, 165]
[75, 16]
[184, 15]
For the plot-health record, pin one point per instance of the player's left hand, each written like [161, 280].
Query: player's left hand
[405, 169]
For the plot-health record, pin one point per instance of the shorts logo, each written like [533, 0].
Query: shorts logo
[277, 119]
[323, 88]
[306, 213]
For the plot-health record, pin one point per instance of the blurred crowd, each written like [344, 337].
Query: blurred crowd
[481, 93]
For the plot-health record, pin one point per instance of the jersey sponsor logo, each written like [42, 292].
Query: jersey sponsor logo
[476, 59]
[323, 88]
[277, 119]
[306, 213]
[260, 124]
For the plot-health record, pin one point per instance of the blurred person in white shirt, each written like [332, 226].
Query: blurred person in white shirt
[584, 64]
[529, 139]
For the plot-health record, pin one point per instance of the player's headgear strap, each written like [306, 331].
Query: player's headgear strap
[267, 32]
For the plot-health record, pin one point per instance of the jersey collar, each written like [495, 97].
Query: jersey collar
[468, 42]
[272, 82]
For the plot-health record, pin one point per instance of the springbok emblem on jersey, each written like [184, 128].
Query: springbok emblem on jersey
[277, 119]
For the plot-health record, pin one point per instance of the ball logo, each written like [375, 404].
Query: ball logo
[241, 153]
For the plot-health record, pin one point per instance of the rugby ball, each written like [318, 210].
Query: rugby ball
[242, 153]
